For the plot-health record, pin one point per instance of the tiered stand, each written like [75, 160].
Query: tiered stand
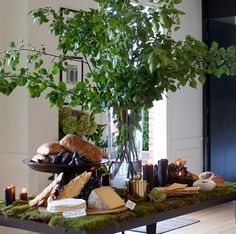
[69, 171]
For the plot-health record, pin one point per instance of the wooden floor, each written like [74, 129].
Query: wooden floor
[216, 220]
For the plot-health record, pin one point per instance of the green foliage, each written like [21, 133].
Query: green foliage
[133, 60]
[80, 123]
[145, 130]
[157, 195]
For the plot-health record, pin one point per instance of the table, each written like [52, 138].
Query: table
[148, 221]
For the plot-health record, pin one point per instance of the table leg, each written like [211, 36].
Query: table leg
[234, 204]
[151, 228]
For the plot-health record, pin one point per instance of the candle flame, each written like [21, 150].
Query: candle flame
[149, 161]
[180, 173]
[24, 190]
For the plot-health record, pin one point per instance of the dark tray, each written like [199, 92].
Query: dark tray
[57, 168]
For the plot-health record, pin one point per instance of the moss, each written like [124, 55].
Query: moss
[21, 209]
[91, 222]
[2, 204]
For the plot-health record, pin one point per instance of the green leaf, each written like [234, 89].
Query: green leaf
[202, 79]
[43, 71]
[177, 1]
[193, 84]
[55, 69]
[66, 11]
[80, 86]
[62, 86]
[12, 44]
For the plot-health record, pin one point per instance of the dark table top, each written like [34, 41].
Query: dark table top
[148, 220]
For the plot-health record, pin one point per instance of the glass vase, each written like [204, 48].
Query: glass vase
[124, 144]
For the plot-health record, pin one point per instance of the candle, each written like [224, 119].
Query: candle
[162, 172]
[148, 174]
[105, 179]
[24, 195]
[180, 177]
[9, 194]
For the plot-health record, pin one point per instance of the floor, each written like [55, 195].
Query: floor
[216, 220]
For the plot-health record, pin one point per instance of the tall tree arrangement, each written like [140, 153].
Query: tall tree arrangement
[133, 58]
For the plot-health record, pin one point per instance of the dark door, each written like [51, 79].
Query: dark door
[222, 107]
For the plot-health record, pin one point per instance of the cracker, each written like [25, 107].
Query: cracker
[74, 187]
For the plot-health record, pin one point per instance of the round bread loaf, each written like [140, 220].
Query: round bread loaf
[38, 158]
[75, 143]
[50, 148]
[218, 180]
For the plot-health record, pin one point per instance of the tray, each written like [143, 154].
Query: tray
[57, 168]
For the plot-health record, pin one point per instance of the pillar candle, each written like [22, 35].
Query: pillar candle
[9, 194]
[162, 172]
[148, 174]
[23, 195]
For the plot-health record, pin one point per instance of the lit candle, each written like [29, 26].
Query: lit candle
[148, 174]
[180, 177]
[9, 194]
[24, 195]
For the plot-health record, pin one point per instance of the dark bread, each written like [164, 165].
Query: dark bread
[75, 143]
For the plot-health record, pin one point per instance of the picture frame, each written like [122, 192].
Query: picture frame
[73, 74]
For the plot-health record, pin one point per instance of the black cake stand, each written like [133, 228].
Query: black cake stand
[70, 171]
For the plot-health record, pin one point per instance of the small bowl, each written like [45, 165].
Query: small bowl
[205, 184]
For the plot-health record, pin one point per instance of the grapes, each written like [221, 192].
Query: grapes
[179, 174]
[91, 184]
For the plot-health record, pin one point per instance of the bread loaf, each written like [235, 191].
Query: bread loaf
[218, 180]
[38, 158]
[40, 199]
[75, 143]
[50, 148]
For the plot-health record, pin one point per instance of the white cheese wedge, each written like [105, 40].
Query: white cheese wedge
[67, 204]
[104, 198]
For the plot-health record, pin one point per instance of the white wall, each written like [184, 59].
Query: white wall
[26, 123]
[2, 97]
[184, 108]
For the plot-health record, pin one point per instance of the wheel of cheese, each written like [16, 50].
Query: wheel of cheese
[68, 204]
[104, 198]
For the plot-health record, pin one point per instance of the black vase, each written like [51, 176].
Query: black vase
[162, 172]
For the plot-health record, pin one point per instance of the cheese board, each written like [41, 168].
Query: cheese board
[88, 211]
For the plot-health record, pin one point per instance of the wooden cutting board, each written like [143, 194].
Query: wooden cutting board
[88, 211]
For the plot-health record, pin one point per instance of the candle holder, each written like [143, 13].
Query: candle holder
[162, 172]
[136, 190]
[9, 192]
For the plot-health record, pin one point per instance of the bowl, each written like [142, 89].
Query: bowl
[205, 184]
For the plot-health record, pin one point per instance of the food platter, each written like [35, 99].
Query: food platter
[57, 168]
